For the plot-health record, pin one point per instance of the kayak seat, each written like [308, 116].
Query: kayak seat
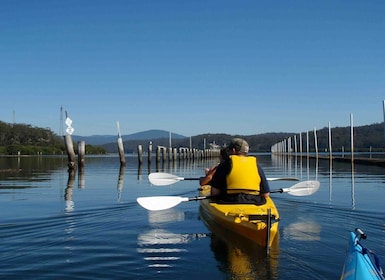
[241, 198]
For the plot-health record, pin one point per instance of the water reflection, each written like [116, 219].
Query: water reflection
[353, 197]
[304, 231]
[241, 258]
[81, 180]
[120, 181]
[285, 162]
[69, 190]
[330, 178]
[162, 248]
[166, 216]
[332, 169]
[139, 172]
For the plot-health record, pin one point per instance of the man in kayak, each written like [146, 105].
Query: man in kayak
[239, 174]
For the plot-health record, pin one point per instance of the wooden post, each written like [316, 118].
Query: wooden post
[69, 144]
[352, 137]
[149, 153]
[175, 154]
[120, 181]
[164, 153]
[140, 159]
[300, 144]
[158, 154]
[81, 160]
[170, 157]
[315, 143]
[330, 143]
[81, 153]
[383, 111]
[70, 151]
[121, 148]
[121, 151]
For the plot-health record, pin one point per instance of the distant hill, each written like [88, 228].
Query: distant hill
[152, 134]
[365, 138]
[26, 139]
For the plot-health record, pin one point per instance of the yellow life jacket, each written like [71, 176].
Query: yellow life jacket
[244, 176]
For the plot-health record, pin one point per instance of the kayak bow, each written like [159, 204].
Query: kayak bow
[360, 262]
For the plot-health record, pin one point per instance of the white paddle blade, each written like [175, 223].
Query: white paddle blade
[157, 203]
[163, 179]
[303, 188]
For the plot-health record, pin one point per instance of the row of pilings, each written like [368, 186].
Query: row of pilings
[162, 153]
[293, 146]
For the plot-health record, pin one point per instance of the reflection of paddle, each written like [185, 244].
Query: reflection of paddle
[156, 203]
[164, 179]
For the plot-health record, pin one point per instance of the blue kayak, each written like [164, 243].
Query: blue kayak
[360, 262]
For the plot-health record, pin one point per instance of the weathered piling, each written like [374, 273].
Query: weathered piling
[164, 153]
[158, 149]
[121, 152]
[175, 154]
[69, 144]
[170, 156]
[149, 153]
[140, 154]
[81, 153]
[120, 147]
[70, 151]
[120, 182]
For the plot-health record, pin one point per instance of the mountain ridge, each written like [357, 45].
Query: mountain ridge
[142, 135]
[367, 137]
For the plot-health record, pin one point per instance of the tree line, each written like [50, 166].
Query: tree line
[28, 140]
[366, 138]
[24, 139]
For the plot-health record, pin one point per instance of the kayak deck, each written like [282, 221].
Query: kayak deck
[360, 263]
[255, 222]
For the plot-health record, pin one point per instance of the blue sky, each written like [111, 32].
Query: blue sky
[192, 67]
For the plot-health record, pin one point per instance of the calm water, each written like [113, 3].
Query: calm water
[56, 225]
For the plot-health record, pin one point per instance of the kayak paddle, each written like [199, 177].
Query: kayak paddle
[164, 179]
[156, 203]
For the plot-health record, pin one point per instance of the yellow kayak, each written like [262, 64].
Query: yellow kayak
[255, 222]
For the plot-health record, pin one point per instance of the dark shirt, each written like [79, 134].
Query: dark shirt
[223, 169]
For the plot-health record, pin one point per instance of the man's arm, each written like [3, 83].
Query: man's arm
[264, 187]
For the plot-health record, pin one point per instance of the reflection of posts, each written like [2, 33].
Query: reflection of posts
[303, 230]
[81, 180]
[69, 189]
[353, 197]
[157, 166]
[120, 181]
[139, 172]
